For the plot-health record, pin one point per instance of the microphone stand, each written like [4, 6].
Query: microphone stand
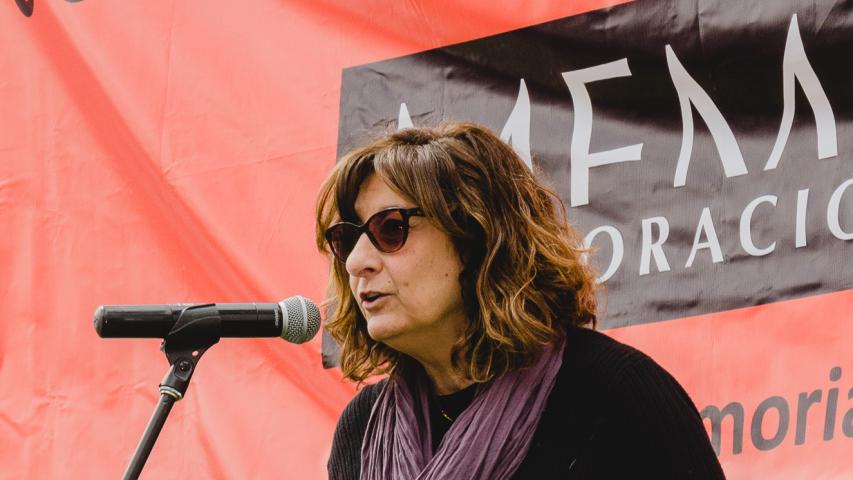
[198, 328]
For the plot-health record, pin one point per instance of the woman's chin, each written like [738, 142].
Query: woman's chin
[381, 330]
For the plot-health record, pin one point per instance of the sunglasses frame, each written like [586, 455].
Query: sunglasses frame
[406, 213]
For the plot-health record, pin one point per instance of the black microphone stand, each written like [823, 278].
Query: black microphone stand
[198, 328]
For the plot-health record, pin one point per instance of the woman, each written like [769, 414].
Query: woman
[457, 274]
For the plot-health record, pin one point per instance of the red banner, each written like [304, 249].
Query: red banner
[166, 152]
[171, 152]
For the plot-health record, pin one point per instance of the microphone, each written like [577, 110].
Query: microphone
[295, 319]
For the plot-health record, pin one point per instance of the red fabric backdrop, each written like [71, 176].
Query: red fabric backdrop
[171, 152]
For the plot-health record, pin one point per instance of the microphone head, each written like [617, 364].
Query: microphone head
[301, 319]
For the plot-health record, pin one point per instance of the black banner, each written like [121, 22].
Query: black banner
[702, 147]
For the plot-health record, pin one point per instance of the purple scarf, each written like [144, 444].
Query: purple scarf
[488, 440]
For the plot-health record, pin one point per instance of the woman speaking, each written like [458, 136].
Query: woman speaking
[457, 274]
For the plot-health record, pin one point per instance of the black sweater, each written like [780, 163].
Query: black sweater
[613, 413]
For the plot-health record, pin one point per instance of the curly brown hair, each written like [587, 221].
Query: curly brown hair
[523, 280]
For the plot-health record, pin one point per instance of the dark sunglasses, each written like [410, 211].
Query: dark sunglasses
[387, 230]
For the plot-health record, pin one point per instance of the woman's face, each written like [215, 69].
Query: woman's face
[420, 308]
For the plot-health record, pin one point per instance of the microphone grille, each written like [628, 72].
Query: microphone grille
[301, 319]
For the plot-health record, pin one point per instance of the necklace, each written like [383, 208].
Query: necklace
[453, 403]
[444, 414]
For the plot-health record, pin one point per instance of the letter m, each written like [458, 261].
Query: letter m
[715, 416]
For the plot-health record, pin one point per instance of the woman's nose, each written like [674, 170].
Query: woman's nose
[363, 259]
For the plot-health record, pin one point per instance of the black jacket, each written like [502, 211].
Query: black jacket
[613, 413]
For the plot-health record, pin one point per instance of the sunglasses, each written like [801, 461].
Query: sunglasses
[387, 230]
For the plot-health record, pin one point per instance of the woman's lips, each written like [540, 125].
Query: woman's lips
[374, 303]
